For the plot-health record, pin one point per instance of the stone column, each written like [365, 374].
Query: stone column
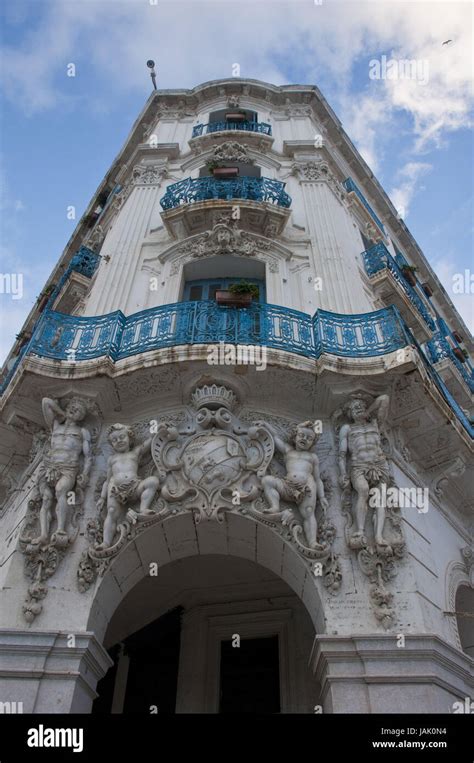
[370, 674]
[115, 280]
[336, 242]
[49, 671]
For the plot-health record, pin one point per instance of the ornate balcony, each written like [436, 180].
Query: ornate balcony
[191, 190]
[259, 127]
[361, 202]
[66, 337]
[75, 338]
[82, 266]
[391, 286]
[458, 377]
[191, 203]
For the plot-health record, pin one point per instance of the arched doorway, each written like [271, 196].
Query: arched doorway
[464, 608]
[237, 632]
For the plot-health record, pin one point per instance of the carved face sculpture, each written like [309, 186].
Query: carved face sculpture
[120, 440]
[304, 438]
[358, 410]
[76, 410]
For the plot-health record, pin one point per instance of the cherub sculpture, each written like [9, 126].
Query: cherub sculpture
[302, 484]
[123, 486]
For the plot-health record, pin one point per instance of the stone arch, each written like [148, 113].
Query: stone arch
[180, 536]
[457, 575]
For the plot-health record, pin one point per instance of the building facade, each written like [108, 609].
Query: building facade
[236, 434]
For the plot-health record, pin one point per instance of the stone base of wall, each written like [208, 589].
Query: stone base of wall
[370, 674]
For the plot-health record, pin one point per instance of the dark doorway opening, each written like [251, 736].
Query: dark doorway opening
[152, 676]
[250, 677]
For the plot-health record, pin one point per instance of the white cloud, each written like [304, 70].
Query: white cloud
[403, 193]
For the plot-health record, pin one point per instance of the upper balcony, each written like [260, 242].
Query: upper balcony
[452, 365]
[246, 126]
[258, 135]
[189, 203]
[365, 210]
[391, 286]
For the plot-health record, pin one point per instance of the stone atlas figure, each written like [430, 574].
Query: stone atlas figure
[369, 469]
[60, 470]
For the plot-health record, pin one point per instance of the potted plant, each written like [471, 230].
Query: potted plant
[409, 273]
[23, 338]
[457, 336]
[460, 353]
[44, 296]
[236, 116]
[427, 289]
[238, 294]
[220, 172]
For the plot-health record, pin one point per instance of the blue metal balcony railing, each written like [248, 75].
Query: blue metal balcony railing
[378, 258]
[349, 185]
[66, 337]
[260, 127]
[438, 348]
[85, 262]
[192, 190]
[75, 338]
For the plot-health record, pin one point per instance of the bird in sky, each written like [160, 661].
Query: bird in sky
[446, 42]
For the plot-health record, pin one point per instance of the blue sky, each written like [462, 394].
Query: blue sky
[60, 134]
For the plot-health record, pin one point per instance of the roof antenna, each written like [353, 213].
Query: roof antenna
[151, 65]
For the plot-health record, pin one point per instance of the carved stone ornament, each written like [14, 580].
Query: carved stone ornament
[96, 238]
[52, 521]
[297, 110]
[312, 172]
[214, 464]
[148, 174]
[224, 239]
[232, 151]
[449, 471]
[366, 481]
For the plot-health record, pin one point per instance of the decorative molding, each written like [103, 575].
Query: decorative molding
[214, 465]
[148, 174]
[232, 151]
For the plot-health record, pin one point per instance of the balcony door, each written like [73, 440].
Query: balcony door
[213, 323]
[204, 289]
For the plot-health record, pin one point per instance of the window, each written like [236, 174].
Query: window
[206, 288]
[220, 116]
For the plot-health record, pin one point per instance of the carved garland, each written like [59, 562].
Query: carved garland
[211, 467]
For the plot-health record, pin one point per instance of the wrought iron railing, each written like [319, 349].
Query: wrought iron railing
[378, 258]
[260, 127]
[85, 262]
[438, 348]
[349, 185]
[192, 190]
[76, 338]
[66, 337]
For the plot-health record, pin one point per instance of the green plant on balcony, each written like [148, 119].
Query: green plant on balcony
[409, 273]
[244, 287]
[237, 295]
[45, 295]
